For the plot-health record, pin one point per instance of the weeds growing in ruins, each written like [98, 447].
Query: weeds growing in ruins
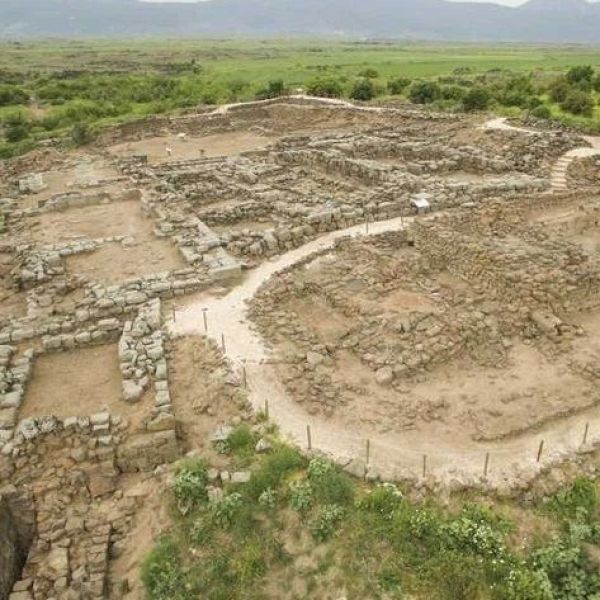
[378, 541]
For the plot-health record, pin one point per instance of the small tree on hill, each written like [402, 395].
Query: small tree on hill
[364, 90]
[424, 92]
[580, 74]
[325, 88]
[476, 98]
[579, 103]
[398, 85]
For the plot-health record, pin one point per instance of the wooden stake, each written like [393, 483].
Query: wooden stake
[424, 465]
[204, 310]
[367, 224]
[244, 377]
[586, 432]
[174, 316]
[308, 438]
[540, 450]
[368, 449]
[223, 343]
[267, 409]
[486, 464]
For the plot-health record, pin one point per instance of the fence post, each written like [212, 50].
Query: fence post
[267, 409]
[486, 464]
[244, 377]
[308, 437]
[223, 343]
[540, 450]
[204, 311]
[424, 465]
[368, 452]
[585, 433]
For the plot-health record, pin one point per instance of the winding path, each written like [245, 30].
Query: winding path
[558, 175]
[392, 455]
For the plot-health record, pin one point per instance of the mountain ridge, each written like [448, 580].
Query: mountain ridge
[543, 21]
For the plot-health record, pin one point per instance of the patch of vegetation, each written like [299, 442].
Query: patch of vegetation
[370, 539]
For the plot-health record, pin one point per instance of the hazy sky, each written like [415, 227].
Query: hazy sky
[507, 2]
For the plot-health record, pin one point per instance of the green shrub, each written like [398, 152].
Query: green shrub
[333, 487]
[363, 90]
[81, 134]
[477, 98]
[369, 73]
[190, 483]
[10, 95]
[16, 133]
[581, 498]
[596, 83]
[382, 501]
[559, 90]
[453, 92]
[578, 103]
[301, 496]
[580, 74]
[325, 523]
[273, 89]
[398, 85]
[273, 469]
[224, 511]
[424, 92]
[542, 112]
[162, 574]
[268, 499]
[241, 441]
[325, 88]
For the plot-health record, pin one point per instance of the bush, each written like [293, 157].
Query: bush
[325, 88]
[398, 85]
[273, 469]
[596, 83]
[369, 73]
[578, 103]
[10, 95]
[190, 483]
[476, 98]
[301, 496]
[541, 112]
[453, 92]
[580, 75]
[325, 523]
[16, 133]
[424, 92]
[273, 89]
[81, 134]
[363, 90]
[559, 90]
[162, 574]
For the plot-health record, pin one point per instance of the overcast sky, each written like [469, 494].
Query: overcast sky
[506, 2]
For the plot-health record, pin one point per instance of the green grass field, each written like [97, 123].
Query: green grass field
[63, 84]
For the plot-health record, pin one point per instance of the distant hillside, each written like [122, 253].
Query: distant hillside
[535, 21]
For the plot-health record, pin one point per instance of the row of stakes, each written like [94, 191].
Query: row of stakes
[486, 463]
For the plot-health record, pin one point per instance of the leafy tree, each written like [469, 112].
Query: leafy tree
[424, 92]
[477, 98]
[559, 90]
[273, 89]
[580, 74]
[364, 90]
[398, 85]
[578, 102]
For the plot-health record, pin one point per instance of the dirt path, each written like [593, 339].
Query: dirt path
[392, 455]
[558, 175]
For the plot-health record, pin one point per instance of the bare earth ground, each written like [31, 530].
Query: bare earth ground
[191, 147]
[79, 383]
[121, 218]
